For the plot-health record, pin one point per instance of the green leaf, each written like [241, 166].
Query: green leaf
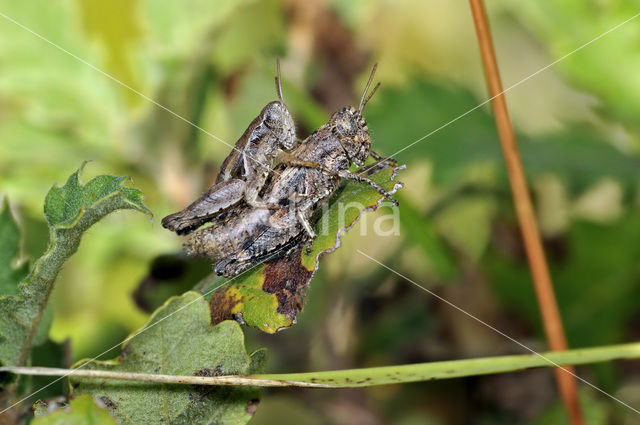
[82, 410]
[10, 275]
[63, 205]
[70, 210]
[179, 340]
[268, 297]
[338, 221]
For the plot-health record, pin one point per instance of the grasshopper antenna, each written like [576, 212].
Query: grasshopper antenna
[369, 97]
[279, 82]
[366, 89]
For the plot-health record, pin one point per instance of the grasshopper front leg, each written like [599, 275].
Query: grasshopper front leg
[381, 158]
[291, 160]
[345, 174]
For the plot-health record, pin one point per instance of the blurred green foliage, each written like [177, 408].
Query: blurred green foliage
[213, 64]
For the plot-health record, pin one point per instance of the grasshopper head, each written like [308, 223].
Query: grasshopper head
[351, 129]
[278, 119]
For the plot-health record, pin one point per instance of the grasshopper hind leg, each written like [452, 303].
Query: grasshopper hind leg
[202, 210]
[250, 258]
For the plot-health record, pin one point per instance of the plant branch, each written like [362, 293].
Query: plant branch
[366, 377]
[531, 237]
[70, 210]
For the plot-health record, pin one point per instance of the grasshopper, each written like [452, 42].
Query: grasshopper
[305, 178]
[244, 172]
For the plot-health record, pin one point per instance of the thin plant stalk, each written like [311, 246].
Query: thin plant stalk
[364, 377]
[526, 217]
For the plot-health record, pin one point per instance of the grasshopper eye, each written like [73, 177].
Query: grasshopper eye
[273, 115]
[272, 118]
[288, 139]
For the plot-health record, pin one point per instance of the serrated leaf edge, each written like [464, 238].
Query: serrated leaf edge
[342, 230]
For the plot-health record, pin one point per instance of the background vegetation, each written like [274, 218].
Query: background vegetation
[213, 63]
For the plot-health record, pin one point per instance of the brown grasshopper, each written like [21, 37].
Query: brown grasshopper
[306, 177]
[244, 172]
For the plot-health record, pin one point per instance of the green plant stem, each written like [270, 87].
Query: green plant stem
[369, 377]
[70, 210]
[64, 242]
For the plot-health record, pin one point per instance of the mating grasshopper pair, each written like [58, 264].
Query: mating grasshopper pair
[270, 186]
